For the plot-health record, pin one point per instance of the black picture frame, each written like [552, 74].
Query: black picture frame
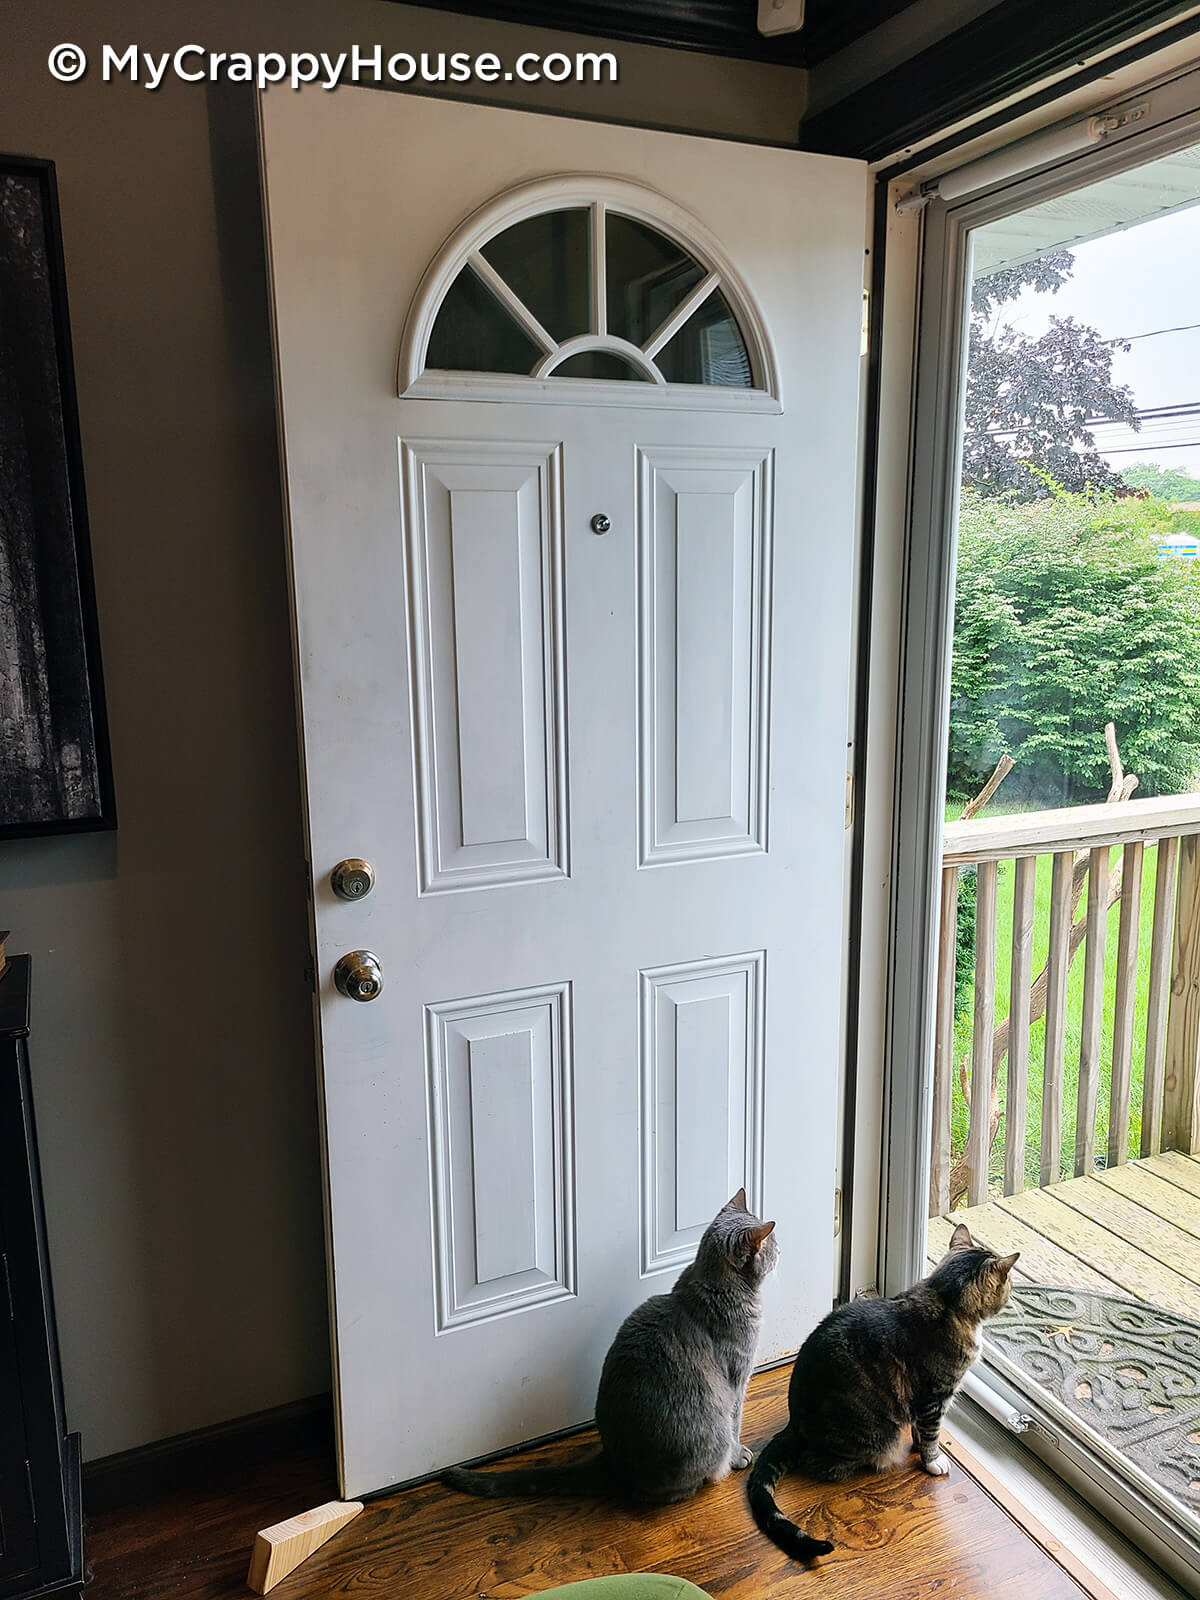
[55, 759]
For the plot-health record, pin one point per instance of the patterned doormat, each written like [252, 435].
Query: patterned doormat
[1129, 1370]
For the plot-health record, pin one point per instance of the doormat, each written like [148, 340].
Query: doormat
[1127, 1369]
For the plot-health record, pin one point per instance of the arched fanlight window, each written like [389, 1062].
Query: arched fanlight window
[547, 285]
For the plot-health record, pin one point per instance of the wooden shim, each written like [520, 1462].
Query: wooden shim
[979, 1138]
[1121, 1081]
[280, 1549]
[1158, 995]
[1024, 891]
[1069, 828]
[943, 1050]
[1180, 1077]
[1093, 1012]
[1057, 962]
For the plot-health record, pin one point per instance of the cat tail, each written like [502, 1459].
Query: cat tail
[773, 1461]
[589, 1477]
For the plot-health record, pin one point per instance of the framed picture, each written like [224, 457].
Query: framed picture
[55, 768]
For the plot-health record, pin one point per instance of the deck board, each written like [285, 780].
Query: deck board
[1133, 1230]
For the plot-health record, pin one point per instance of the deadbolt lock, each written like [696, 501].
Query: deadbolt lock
[359, 976]
[353, 879]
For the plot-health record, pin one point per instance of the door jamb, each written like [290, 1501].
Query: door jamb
[921, 741]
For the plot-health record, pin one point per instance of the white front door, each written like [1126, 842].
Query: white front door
[574, 652]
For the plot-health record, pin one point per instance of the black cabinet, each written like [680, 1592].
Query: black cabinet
[41, 1541]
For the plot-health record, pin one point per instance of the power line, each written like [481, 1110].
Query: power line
[1153, 333]
[1140, 449]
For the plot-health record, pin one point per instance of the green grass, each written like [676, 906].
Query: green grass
[964, 1022]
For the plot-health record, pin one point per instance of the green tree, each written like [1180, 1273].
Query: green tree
[1028, 401]
[1068, 617]
[1164, 483]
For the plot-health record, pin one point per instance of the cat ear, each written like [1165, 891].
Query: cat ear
[1005, 1264]
[738, 1202]
[759, 1234]
[961, 1238]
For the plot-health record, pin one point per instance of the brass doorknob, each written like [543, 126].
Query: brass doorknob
[353, 879]
[359, 976]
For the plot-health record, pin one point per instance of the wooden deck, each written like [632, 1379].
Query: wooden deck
[1131, 1230]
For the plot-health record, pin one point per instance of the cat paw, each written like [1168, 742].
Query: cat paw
[743, 1457]
[937, 1466]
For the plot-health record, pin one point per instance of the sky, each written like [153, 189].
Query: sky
[1136, 282]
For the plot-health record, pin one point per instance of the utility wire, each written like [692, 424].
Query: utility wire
[1153, 333]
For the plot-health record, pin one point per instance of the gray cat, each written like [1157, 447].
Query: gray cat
[669, 1406]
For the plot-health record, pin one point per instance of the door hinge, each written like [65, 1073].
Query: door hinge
[837, 1212]
[865, 336]
[8, 1298]
[849, 799]
[29, 1492]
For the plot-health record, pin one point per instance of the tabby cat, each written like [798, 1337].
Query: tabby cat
[872, 1369]
[669, 1406]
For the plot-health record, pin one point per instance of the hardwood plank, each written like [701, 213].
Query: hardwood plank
[1042, 1261]
[984, 1034]
[1156, 1193]
[900, 1535]
[1021, 971]
[943, 1050]
[1184, 1171]
[1158, 995]
[1057, 964]
[1121, 1079]
[1095, 1587]
[1137, 1275]
[1143, 1232]
[1093, 1012]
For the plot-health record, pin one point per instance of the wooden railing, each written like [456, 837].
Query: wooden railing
[1080, 839]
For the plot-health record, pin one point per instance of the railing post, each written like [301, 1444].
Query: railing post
[979, 1136]
[1024, 893]
[1158, 995]
[1180, 1130]
[1058, 961]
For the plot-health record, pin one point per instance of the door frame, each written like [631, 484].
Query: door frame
[923, 661]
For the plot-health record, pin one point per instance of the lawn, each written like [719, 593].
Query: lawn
[964, 1022]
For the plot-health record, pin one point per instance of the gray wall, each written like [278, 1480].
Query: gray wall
[171, 1042]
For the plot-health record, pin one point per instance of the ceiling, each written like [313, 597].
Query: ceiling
[719, 27]
[885, 75]
[1171, 183]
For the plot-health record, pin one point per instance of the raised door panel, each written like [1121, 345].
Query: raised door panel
[702, 1063]
[502, 1141]
[484, 526]
[704, 566]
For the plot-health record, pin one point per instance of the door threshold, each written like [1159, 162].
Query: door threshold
[1072, 1532]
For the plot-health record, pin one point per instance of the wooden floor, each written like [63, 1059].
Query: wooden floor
[1132, 1230]
[900, 1536]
